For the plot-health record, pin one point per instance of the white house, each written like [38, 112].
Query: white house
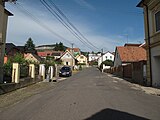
[93, 57]
[106, 56]
[68, 59]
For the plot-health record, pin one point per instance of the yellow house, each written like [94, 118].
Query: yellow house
[152, 37]
[3, 28]
[82, 59]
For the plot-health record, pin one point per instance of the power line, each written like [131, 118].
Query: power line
[62, 21]
[66, 18]
[69, 26]
[40, 23]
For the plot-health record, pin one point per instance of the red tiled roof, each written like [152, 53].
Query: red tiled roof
[132, 54]
[49, 53]
[74, 49]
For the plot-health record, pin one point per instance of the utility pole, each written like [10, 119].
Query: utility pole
[72, 54]
[72, 47]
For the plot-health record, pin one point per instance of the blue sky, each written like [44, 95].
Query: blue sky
[105, 23]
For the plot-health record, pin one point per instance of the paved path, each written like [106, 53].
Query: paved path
[88, 95]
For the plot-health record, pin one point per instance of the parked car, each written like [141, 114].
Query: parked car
[65, 71]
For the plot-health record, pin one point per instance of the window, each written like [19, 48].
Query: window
[106, 57]
[81, 57]
[157, 18]
[110, 57]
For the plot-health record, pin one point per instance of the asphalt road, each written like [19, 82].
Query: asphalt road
[87, 95]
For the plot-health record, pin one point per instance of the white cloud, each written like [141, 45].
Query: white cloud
[22, 27]
[85, 4]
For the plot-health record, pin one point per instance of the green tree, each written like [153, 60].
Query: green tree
[29, 44]
[18, 58]
[59, 47]
[108, 63]
[56, 47]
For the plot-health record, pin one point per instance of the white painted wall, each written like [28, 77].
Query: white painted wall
[155, 52]
[92, 57]
[106, 56]
[117, 60]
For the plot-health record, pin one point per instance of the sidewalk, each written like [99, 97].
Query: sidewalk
[147, 90]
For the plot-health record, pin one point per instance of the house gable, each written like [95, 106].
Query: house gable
[67, 55]
[117, 59]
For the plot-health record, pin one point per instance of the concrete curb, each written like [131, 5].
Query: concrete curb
[147, 90]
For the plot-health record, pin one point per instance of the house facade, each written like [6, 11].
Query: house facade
[152, 37]
[68, 59]
[130, 62]
[106, 56]
[10, 51]
[93, 56]
[3, 28]
[128, 54]
[82, 59]
[32, 57]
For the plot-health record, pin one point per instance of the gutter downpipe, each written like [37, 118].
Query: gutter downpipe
[149, 44]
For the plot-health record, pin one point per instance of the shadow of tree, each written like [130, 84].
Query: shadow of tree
[110, 114]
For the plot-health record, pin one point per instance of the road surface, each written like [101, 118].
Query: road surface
[87, 95]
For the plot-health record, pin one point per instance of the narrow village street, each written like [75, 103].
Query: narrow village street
[87, 95]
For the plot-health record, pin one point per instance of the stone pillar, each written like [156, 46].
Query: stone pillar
[56, 70]
[51, 71]
[32, 71]
[15, 73]
[42, 70]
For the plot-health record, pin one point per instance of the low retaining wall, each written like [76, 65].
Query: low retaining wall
[8, 87]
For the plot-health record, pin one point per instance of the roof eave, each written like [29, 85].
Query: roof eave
[140, 4]
[8, 13]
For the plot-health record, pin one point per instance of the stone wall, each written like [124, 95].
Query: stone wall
[8, 87]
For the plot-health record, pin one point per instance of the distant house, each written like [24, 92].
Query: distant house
[74, 51]
[32, 57]
[130, 62]
[68, 59]
[45, 47]
[55, 54]
[93, 56]
[10, 51]
[106, 56]
[152, 37]
[82, 59]
[129, 53]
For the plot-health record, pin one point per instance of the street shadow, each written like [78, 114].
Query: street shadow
[110, 114]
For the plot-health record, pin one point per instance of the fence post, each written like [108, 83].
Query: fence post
[51, 71]
[42, 70]
[32, 70]
[56, 70]
[15, 73]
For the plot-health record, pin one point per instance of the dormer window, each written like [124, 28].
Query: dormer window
[157, 18]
